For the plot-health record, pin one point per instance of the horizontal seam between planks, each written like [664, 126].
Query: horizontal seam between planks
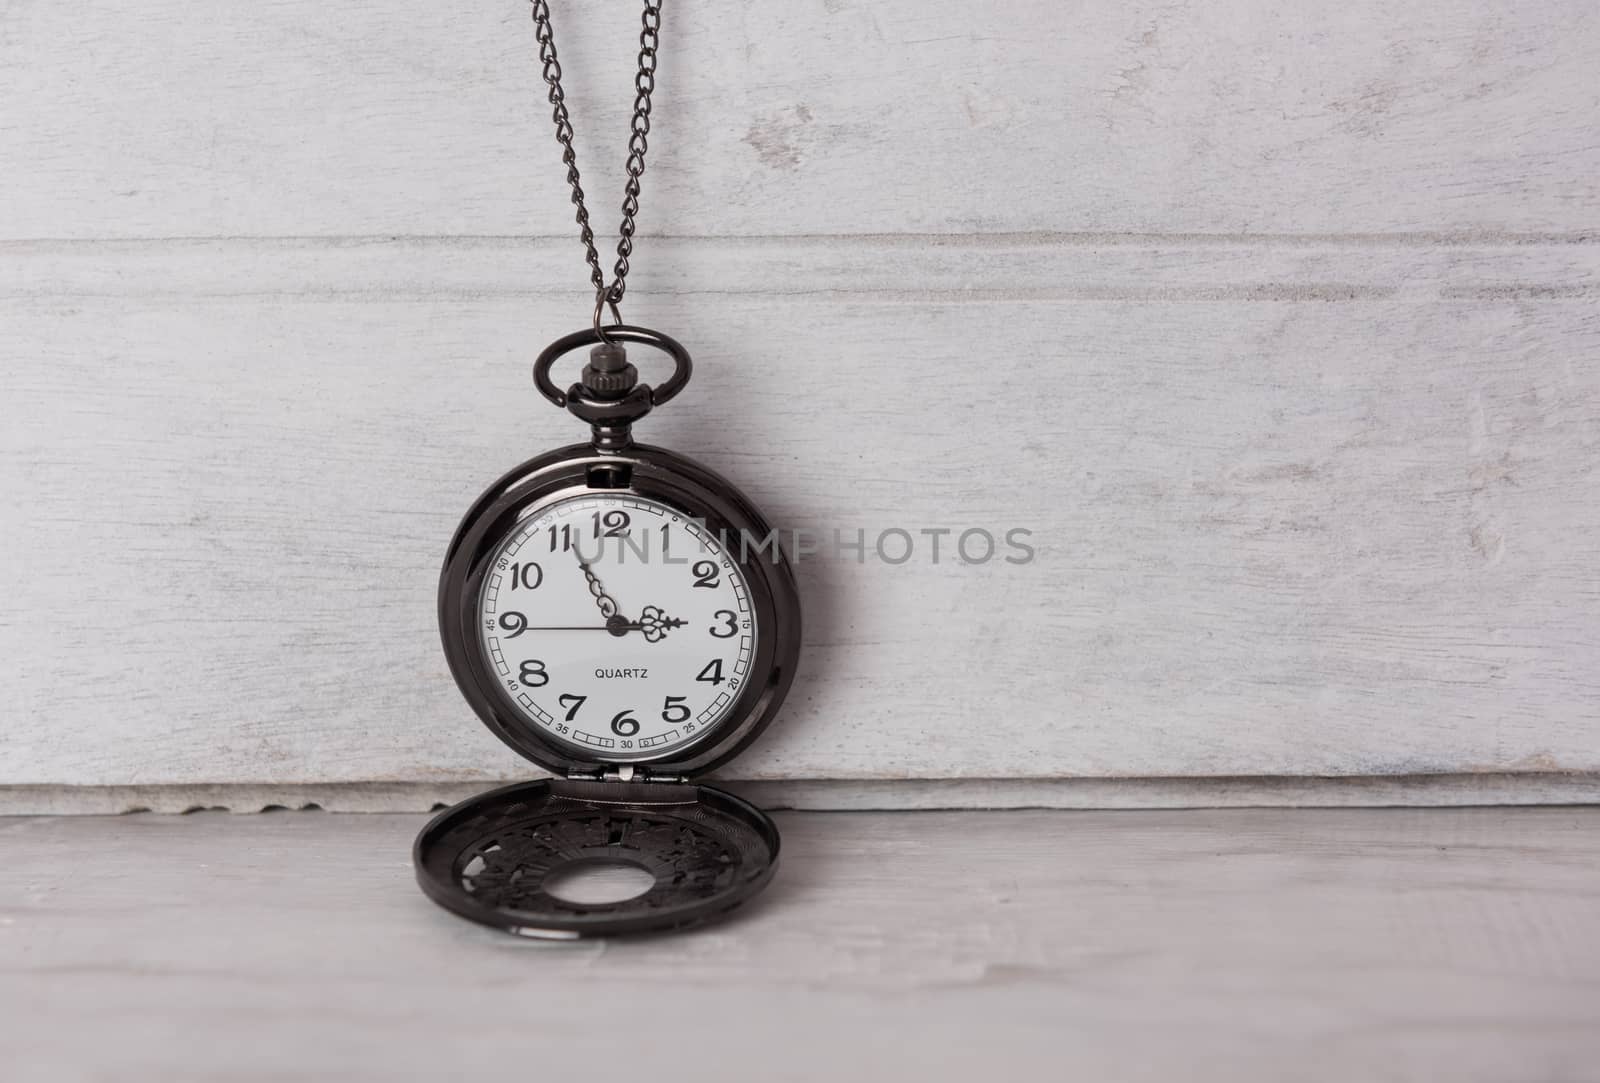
[1046, 239]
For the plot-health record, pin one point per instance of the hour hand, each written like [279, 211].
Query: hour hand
[652, 622]
[608, 607]
[656, 624]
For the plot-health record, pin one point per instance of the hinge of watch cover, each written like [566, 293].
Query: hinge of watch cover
[625, 772]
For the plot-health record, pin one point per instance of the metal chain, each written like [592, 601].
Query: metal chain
[638, 143]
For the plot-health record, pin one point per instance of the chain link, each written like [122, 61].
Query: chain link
[638, 143]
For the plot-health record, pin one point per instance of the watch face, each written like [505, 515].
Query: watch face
[617, 625]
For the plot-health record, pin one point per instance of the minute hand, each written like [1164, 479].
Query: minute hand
[608, 606]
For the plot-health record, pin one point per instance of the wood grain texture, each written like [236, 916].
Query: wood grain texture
[291, 117]
[1228, 946]
[1302, 304]
[1298, 509]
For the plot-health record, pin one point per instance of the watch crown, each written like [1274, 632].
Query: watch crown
[608, 373]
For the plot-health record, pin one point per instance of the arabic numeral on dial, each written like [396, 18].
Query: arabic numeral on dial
[528, 575]
[612, 524]
[532, 674]
[712, 674]
[572, 708]
[673, 710]
[729, 630]
[624, 725]
[705, 573]
[514, 624]
[562, 537]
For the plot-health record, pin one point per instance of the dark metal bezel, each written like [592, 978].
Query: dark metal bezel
[651, 473]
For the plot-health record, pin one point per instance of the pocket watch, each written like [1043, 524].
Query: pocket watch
[623, 617]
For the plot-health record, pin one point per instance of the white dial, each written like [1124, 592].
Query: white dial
[617, 625]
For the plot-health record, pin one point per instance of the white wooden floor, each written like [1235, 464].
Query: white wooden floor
[1457, 944]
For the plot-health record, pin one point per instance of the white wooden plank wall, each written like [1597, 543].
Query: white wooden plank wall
[1301, 303]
